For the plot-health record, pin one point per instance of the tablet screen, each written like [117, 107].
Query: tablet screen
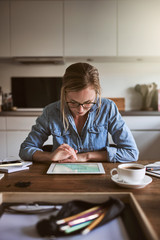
[76, 168]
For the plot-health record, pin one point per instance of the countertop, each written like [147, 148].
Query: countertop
[140, 113]
[20, 113]
[38, 113]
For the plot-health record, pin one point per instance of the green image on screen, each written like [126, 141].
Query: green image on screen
[76, 168]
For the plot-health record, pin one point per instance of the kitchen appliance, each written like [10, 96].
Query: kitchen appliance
[35, 92]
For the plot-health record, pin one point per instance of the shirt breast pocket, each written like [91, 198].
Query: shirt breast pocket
[60, 137]
[98, 137]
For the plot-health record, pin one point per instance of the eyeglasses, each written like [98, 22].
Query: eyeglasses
[84, 105]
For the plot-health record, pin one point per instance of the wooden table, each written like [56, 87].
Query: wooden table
[148, 197]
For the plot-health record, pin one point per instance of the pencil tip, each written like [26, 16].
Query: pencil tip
[85, 231]
[63, 228]
[60, 221]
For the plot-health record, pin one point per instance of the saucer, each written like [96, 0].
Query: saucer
[141, 184]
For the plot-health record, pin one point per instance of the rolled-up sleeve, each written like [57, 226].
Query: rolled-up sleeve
[125, 149]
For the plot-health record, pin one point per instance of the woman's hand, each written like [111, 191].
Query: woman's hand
[64, 153]
[88, 156]
[81, 157]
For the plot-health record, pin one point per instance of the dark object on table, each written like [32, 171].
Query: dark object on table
[22, 184]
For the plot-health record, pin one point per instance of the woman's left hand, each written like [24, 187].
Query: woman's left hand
[88, 156]
[81, 157]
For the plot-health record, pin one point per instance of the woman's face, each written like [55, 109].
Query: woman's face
[74, 99]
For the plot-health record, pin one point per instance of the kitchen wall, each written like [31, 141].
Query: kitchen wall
[118, 79]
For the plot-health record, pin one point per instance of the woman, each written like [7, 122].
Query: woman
[80, 123]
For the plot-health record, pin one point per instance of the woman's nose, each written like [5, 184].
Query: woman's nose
[80, 107]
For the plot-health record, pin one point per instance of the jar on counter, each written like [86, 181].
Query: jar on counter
[7, 102]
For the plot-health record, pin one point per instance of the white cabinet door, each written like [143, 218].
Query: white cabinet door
[17, 130]
[139, 28]
[3, 140]
[20, 123]
[4, 29]
[146, 131]
[3, 145]
[36, 28]
[14, 140]
[2, 123]
[90, 28]
[146, 123]
[148, 143]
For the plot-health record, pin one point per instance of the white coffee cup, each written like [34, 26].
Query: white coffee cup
[129, 172]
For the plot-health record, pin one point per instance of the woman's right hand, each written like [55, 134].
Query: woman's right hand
[64, 152]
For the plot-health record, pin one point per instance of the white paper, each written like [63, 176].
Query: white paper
[22, 226]
[25, 165]
[153, 173]
[1, 175]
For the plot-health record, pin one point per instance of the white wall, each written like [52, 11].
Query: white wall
[118, 79]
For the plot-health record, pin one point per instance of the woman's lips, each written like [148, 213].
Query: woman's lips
[80, 113]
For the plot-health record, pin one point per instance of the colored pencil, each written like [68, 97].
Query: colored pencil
[94, 223]
[81, 214]
[80, 220]
[78, 227]
[83, 219]
[153, 168]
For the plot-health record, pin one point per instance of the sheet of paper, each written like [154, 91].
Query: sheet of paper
[25, 165]
[22, 226]
[1, 175]
[154, 173]
[13, 169]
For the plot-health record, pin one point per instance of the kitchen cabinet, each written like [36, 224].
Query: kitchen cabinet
[17, 130]
[104, 28]
[4, 29]
[19, 123]
[14, 140]
[36, 28]
[13, 131]
[3, 149]
[148, 144]
[146, 131]
[90, 28]
[138, 28]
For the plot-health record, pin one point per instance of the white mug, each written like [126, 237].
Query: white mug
[130, 172]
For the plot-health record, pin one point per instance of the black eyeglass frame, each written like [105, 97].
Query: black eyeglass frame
[81, 104]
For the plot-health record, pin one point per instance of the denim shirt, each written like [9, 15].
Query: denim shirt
[94, 135]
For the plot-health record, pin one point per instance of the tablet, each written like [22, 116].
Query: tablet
[76, 168]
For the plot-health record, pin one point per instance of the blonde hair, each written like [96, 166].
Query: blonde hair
[77, 77]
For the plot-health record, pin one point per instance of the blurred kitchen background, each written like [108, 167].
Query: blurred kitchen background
[40, 38]
[120, 37]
